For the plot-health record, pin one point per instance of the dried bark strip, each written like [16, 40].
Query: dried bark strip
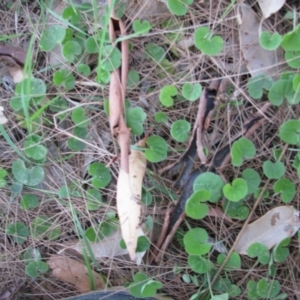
[132, 166]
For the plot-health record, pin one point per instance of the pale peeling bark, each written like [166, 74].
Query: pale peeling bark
[129, 193]
[133, 166]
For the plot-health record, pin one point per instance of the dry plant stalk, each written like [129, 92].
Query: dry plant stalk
[132, 166]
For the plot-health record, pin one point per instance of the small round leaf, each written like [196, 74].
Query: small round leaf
[180, 130]
[194, 208]
[157, 150]
[270, 41]
[273, 170]
[195, 241]
[191, 92]
[236, 191]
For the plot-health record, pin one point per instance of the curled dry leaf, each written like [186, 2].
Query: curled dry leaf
[108, 247]
[74, 272]
[132, 168]
[129, 192]
[258, 60]
[277, 224]
[269, 7]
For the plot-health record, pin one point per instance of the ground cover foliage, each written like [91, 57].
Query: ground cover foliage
[59, 166]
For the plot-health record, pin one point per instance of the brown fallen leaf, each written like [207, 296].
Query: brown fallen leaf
[74, 272]
[277, 224]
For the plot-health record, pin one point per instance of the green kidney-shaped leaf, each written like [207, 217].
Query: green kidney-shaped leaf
[30, 177]
[64, 78]
[19, 231]
[260, 251]
[166, 95]
[94, 199]
[281, 252]
[234, 261]
[72, 14]
[160, 117]
[141, 27]
[32, 254]
[211, 182]
[252, 178]
[283, 89]
[29, 201]
[150, 288]
[199, 264]
[79, 118]
[195, 241]
[71, 50]
[101, 175]
[191, 92]
[143, 244]
[34, 268]
[268, 289]
[236, 191]
[34, 149]
[133, 79]
[293, 59]
[179, 7]
[289, 132]
[286, 188]
[180, 130]
[39, 226]
[224, 296]
[111, 58]
[257, 84]
[91, 45]
[52, 36]
[154, 52]
[157, 150]
[207, 43]
[135, 118]
[236, 210]
[291, 40]
[194, 208]
[273, 170]
[251, 290]
[270, 42]
[242, 148]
